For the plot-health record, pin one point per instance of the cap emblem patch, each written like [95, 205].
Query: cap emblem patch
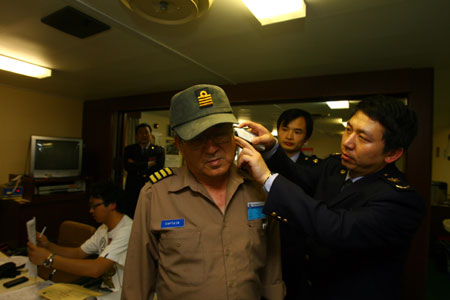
[204, 97]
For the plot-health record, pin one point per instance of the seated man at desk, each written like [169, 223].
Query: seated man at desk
[110, 242]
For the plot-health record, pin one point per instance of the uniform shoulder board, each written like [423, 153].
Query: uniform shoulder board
[161, 174]
[396, 182]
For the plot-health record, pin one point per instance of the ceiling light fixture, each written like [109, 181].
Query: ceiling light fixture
[23, 68]
[273, 11]
[173, 12]
[338, 104]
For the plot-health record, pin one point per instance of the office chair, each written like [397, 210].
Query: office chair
[71, 234]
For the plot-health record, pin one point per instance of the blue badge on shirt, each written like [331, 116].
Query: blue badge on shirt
[172, 223]
[255, 211]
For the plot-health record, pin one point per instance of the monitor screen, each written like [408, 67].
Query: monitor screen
[55, 156]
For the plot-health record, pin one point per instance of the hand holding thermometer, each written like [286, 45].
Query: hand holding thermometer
[247, 135]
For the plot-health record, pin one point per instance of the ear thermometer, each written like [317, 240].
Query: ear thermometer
[248, 136]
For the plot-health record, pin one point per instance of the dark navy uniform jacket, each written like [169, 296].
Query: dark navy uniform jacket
[292, 248]
[138, 172]
[355, 241]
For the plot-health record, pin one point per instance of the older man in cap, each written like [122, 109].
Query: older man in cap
[199, 231]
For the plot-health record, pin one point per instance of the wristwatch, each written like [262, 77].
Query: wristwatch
[48, 262]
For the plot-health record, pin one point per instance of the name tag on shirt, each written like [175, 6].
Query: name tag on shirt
[255, 211]
[172, 223]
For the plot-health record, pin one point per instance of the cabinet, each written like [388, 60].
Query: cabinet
[50, 210]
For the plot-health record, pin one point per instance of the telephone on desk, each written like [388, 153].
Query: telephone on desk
[12, 189]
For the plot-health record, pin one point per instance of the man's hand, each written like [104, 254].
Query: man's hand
[37, 255]
[42, 241]
[252, 160]
[263, 136]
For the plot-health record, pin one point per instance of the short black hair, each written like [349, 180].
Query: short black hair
[398, 120]
[141, 126]
[291, 114]
[109, 193]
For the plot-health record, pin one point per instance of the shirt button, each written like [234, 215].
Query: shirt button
[274, 214]
[285, 220]
[309, 282]
[307, 257]
[279, 217]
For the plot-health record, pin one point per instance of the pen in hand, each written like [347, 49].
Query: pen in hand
[42, 232]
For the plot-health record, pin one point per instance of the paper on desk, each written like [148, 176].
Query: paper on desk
[31, 230]
[29, 293]
[18, 260]
[67, 291]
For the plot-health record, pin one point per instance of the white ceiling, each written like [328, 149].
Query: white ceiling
[225, 46]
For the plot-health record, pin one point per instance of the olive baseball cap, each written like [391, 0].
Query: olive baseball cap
[197, 108]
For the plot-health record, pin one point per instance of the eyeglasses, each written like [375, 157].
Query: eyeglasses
[94, 206]
[217, 138]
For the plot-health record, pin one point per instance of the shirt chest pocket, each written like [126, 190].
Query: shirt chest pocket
[181, 256]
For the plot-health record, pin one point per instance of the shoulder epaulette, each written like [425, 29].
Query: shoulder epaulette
[161, 174]
[398, 183]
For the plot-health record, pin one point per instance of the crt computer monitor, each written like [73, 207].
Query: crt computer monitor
[55, 156]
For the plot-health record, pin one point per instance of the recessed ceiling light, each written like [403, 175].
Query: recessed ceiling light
[23, 68]
[273, 11]
[338, 104]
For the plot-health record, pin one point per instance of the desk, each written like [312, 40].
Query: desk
[31, 281]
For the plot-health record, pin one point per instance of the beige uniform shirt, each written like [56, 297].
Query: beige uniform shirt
[212, 255]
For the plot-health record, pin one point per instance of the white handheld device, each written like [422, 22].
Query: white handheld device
[247, 135]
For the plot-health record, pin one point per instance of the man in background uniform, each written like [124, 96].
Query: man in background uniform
[199, 231]
[141, 160]
[295, 127]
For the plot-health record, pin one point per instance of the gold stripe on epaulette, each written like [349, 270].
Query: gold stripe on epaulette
[402, 187]
[158, 175]
[153, 178]
[392, 179]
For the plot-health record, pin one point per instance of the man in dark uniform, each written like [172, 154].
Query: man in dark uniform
[295, 127]
[141, 160]
[358, 235]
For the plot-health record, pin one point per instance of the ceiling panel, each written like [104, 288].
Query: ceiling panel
[225, 46]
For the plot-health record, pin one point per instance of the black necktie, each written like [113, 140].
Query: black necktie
[346, 184]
